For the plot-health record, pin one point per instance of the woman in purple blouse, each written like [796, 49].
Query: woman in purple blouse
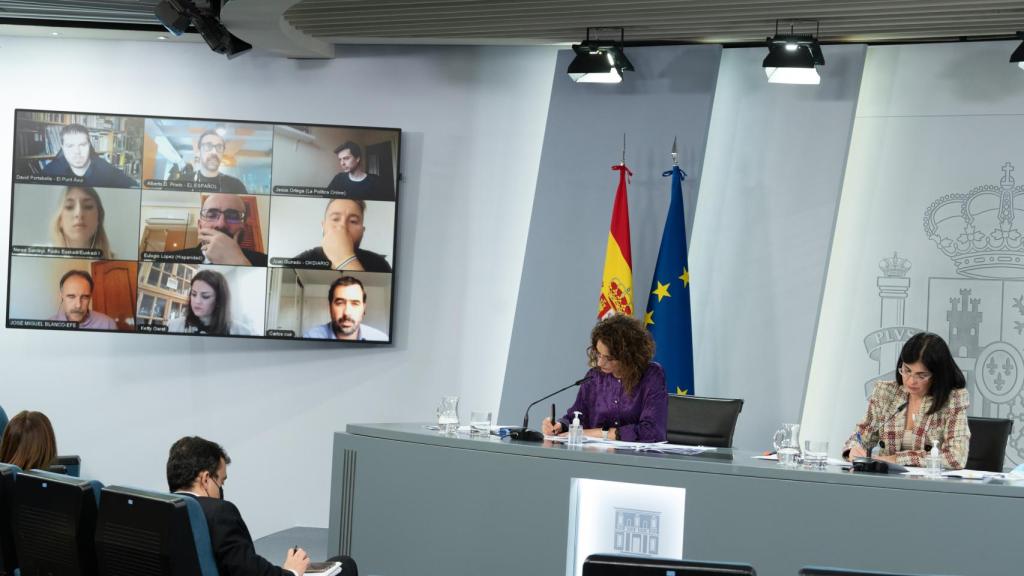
[623, 396]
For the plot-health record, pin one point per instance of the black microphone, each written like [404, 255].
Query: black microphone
[900, 408]
[533, 435]
[868, 463]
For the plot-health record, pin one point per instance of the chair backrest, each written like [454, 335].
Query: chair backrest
[612, 565]
[988, 443]
[3, 421]
[826, 571]
[55, 524]
[698, 420]
[8, 557]
[152, 533]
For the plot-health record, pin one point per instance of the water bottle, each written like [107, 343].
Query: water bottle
[575, 431]
[934, 462]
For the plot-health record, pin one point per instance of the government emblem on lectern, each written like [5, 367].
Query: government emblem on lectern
[636, 531]
[980, 310]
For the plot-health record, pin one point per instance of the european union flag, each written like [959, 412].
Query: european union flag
[668, 307]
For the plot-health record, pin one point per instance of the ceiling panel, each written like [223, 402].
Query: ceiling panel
[729, 21]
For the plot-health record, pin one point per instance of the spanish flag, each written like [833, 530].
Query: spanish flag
[617, 282]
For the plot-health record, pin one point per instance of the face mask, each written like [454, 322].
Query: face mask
[219, 485]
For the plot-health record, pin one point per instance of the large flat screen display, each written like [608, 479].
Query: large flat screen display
[201, 226]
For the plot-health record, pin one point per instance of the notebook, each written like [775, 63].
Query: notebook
[324, 568]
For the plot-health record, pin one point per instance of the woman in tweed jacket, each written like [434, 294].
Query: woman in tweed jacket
[924, 406]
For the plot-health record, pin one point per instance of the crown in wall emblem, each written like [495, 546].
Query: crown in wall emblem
[894, 267]
[977, 230]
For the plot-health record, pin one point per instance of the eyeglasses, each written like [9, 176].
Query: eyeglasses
[918, 376]
[209, 147]
[603, 357]
[230, 216]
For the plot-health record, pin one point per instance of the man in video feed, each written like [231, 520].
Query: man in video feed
[210, 148]
[353, 179]
[343, 231]
[75, 299]
[221, 227]
[347, 301]
[78, 158]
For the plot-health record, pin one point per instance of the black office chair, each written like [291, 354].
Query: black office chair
[153, 533]
[55, 524]
[699, 420]
[988, 443]
[8, 557]
[613, 565]
[825, 571]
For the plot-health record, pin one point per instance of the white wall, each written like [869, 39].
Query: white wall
[934, 124]
[760, 245]
[473, 121]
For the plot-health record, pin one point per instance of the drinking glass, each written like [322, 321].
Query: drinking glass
[480, 423]
[787, 444]
[815, 453]
[448, 415]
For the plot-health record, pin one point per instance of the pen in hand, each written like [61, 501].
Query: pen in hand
[552, 413]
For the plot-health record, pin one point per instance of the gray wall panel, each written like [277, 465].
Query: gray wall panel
[776, 156]
[668, 95]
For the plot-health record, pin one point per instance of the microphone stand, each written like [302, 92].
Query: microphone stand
[532, 435]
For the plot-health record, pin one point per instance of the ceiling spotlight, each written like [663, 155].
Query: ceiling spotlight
[1018, 55]
[792, 58]
[174, 15]
[218, 38]
[600, 61]
[177, 15]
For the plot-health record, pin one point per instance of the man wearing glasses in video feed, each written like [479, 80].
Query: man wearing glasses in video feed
[78, 158]
[221, 226]
[210, 150]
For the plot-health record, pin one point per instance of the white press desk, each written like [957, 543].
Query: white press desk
[407, 501]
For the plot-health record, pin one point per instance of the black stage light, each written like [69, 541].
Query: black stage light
[218, 38]
[599, 61]
[173, 16]
[792, 58]
[1018, 55]
[176, 15]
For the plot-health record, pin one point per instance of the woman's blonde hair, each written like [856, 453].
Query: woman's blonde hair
[99, 239]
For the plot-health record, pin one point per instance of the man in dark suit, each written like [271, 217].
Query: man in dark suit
[200, 467]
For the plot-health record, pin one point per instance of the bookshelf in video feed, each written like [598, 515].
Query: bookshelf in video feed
[206, 227]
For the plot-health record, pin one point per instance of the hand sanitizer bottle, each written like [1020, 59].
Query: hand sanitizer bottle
[576, 431]
[934, 462]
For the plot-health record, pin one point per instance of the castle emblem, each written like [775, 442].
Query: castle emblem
[980, 311]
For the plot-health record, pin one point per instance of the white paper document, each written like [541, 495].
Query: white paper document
[637, 446]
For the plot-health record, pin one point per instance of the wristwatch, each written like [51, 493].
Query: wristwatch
[604, 432]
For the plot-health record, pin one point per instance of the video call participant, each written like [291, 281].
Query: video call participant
[75, 298]
[209, 308]
[210, 150]
[78, 222]
[624, 396]
[28, 441]
[343, 231]
[221, 226]
[78, 158]
[353, 178]
[347, 301]
[199, 467]
[926, 405]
